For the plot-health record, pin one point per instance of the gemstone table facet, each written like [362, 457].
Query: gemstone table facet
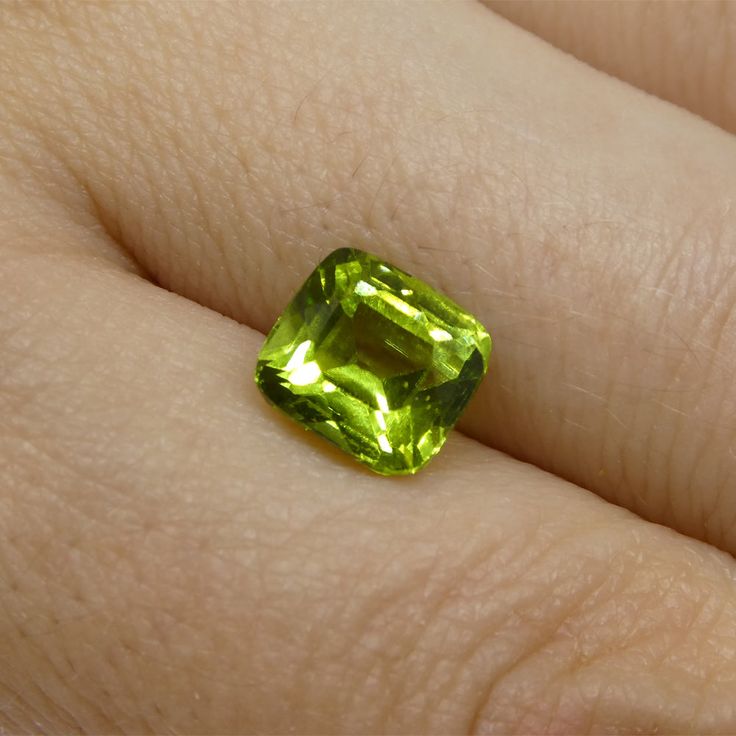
[373, 360]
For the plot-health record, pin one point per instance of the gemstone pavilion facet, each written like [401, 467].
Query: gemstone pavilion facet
[374, 360]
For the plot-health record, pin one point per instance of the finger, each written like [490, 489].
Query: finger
[175, 559]
[590, 227]
[680, 51]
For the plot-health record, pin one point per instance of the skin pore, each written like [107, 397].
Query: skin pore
[174, 557]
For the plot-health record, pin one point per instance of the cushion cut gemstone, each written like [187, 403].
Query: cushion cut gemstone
[374, 360]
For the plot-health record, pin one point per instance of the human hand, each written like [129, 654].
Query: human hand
[176, 558]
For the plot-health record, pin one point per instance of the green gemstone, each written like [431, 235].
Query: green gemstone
[374, 360]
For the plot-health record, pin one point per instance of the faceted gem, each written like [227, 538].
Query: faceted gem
[374, 360]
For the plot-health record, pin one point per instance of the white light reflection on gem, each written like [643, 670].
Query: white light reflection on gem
[363, 288]
[380, 420]
[440, 335]
[305, 374]
[383, 443]
[297, 358]
[381, 401]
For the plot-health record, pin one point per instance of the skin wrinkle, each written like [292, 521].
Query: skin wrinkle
[21, 633]
[668, 456]
[438, 612]
[395, 662]
[486, 701]
[77, 229]
[434, 614]
[27, 637]
[723, 293]
[486, 708]
[666, 649]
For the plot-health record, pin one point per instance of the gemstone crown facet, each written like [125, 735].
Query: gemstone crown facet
[373, 360]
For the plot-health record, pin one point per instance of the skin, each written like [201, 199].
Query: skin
[175, 557]
[683, 51]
